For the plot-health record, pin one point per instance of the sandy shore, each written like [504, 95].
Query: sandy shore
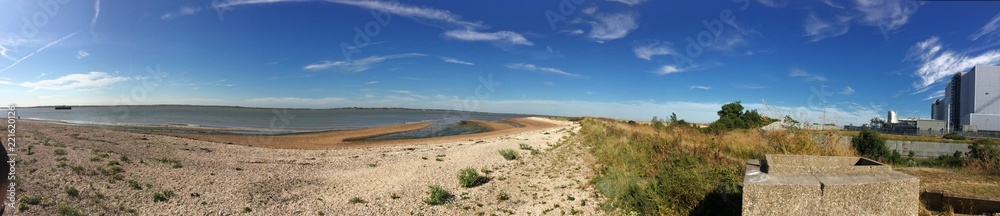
[213, 178]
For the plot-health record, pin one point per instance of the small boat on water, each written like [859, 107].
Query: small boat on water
[64, 107]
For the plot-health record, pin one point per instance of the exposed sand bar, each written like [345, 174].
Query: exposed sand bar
[338, 139]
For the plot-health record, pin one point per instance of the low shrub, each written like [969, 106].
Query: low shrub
[71, 191]
[437, 196]
[508, 154]
[954, 136]
[134, 185]
[468, 177]
[66, 210]
[357, 200]
[163, 195]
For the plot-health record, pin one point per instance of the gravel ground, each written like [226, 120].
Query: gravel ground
[209, 178]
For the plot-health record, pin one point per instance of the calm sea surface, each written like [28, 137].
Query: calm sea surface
[261, 119]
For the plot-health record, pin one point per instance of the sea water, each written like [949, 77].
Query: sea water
[252, 119]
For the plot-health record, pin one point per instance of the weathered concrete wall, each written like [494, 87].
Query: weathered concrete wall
[920, 149]
[817, 185]
[926, 149]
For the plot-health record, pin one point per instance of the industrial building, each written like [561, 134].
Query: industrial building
[971, 101]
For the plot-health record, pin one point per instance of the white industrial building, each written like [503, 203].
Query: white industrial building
[971, 101]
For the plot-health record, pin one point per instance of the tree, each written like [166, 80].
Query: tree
[870, 144]
[659, 125]
[731, 110]
[655, 120]
[673, 118]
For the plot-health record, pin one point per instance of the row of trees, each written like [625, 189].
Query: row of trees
[658, 123]
[732, 116]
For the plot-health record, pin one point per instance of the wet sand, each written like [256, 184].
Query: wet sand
[353, 138]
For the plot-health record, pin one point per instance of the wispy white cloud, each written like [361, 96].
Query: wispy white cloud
[359, 64]
[456, 61]
[372, 82]
[612, 26]
[669, 69]
[395, 8]
[629, 2]
[183, 11]
[884, 14]
[76, 81]
[847, 90]
[888, 16]
[647, 49]
[774, 3]
[5, 81]
[97, 13]
[819, 29]
[81, 54]
[37, 51]
[989, 29]
[935, 95]
[799, 72]
[500, 36]
[550, 84]
[3, 53]
[531, 67]
[700, 87]
[412, 12]
[936, 63]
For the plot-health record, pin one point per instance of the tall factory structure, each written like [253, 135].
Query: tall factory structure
[971, 101]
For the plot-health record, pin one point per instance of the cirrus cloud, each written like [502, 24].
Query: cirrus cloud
[75, 81]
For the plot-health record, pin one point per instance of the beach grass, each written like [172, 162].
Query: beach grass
[681, 170]
[468, 177]
[508, 154]
[436, 195]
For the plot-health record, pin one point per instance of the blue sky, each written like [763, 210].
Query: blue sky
[630, 59]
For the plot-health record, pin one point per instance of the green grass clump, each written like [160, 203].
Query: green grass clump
[66, 210]
[523, 146]
[134, 185]
[177, 165]
[508, 154]
[437, 196]
[30, 200]
[71, 191]
[123, 158]
[247, 210]
[59, 152]
[503, 196]
[357, 200]
[468, 177]
[163, 195]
